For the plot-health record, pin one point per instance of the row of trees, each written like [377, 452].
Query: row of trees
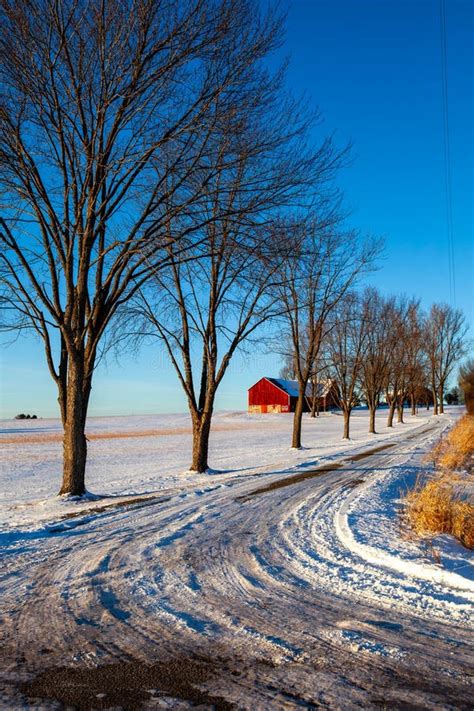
[388, 349]
[155, 179]
[159, 183]
[376, 349]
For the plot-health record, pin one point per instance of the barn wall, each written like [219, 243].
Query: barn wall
[266, 397]
[268, 408]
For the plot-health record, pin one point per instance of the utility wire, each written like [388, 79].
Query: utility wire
[447, 157]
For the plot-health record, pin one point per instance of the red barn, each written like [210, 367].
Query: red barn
[277, 395]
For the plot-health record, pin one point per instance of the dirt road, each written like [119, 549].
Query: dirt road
[239, 596]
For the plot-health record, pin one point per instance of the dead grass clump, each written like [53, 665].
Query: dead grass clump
[435, 507]
[463, 523]
[456, 450]
[442, 504]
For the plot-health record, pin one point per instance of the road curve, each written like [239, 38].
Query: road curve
[236, 596]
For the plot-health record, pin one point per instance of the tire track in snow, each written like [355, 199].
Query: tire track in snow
[260, 584]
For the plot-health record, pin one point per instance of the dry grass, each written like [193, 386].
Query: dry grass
[438, 505]
[435, 507]
[456, 450]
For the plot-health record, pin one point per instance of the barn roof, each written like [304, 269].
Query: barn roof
[291, 387]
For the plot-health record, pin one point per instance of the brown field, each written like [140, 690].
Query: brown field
[124, 434]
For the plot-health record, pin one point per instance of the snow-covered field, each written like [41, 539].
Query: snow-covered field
[287, 575]
[139, 454]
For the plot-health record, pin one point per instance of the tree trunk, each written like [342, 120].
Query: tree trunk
[74, 440]
[297, 421]
[313, 400]
[400, 412]
[435, 401]
[413, 405]
[62, 382]
[201, 433]
[347, 418]
[391, 413]
[372, 420]
[441, 400]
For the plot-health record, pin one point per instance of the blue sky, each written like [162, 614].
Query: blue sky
[374, 69]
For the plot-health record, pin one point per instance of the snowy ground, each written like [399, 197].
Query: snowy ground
[136, 455]
[284, 577]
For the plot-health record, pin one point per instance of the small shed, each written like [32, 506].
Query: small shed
[278, 395]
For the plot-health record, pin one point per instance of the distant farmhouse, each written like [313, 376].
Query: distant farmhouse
[277, 395]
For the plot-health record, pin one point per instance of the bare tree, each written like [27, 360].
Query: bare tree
[377, 316]
[203, 308]
[108, 111]
[466, 383]
[202, 311]
[317, 384]
[404, 349]
[445, 333]
[326, 262]
[289, 370]
[345, 352]
[415, 357]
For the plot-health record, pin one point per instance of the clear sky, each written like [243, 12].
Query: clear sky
[374, 69]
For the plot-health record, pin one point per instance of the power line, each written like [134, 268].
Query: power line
[447, 157]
